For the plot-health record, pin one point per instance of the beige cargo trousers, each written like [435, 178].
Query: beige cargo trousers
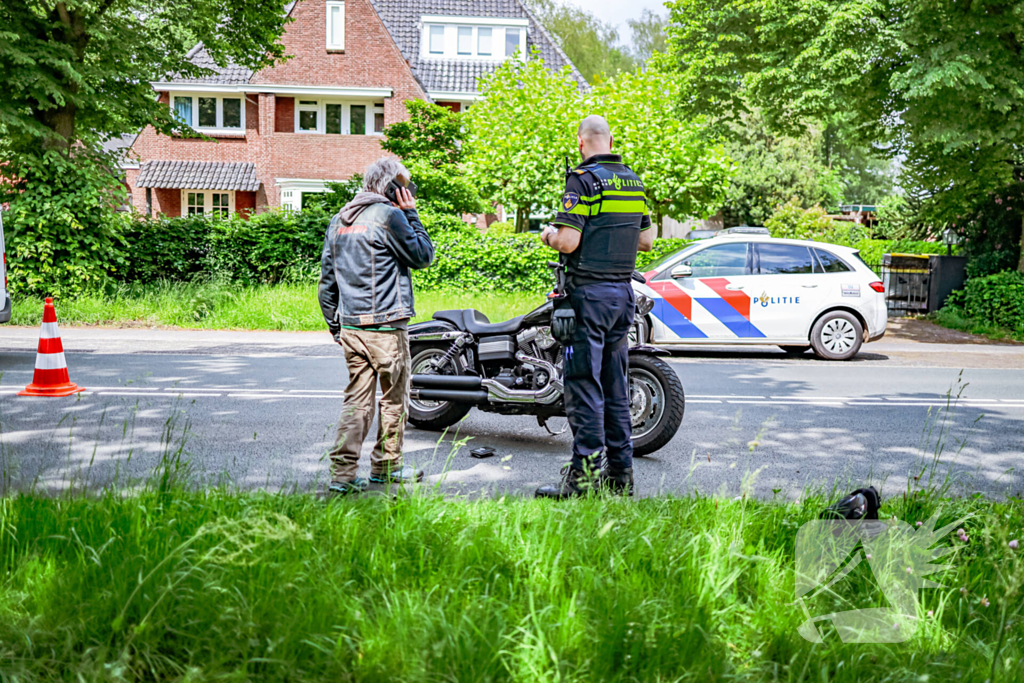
[373, 356]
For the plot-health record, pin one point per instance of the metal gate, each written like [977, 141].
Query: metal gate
[907, 278]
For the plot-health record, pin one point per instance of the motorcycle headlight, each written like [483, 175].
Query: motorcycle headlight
[644, 304]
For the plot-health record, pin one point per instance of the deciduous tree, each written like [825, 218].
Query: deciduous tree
[685, 174]
[938, 82]
[74, 74]
[522, 130]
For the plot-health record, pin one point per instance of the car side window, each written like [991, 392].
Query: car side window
[831, 263]
[785, 259]
[719, 261]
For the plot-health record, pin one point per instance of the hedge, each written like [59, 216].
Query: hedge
[996, 299]
[283, 245]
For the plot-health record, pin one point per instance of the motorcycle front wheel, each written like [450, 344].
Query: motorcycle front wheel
[656, 403]
[435, 415]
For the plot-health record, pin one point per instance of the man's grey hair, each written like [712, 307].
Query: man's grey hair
[381, 172]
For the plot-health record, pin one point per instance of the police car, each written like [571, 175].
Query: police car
[746, 288]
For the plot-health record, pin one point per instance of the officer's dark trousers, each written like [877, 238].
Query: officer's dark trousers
[596, 367]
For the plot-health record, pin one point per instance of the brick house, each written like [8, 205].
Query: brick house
[285, 131]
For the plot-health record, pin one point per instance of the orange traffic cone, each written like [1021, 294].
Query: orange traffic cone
[51, 375]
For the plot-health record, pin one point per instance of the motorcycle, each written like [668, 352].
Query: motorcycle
[460, 360]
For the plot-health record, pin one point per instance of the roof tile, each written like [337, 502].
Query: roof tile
[199, 175]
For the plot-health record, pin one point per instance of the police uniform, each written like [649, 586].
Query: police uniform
[605, 201]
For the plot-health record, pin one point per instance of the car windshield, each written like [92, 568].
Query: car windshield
[658, 264]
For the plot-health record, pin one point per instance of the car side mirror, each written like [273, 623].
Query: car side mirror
[682, 270]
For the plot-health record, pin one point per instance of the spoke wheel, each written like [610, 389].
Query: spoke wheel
[435, 415]
[656, 403]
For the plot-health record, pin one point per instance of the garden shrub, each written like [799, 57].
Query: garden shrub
[62, 233]
[871, 251]
[284, 245]
[997, 299]
[661, 248]
[166, 248]
[470, 260]
[790, 221]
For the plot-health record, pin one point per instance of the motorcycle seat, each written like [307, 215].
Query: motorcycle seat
[476, 323]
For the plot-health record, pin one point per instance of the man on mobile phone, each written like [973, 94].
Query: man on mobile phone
[366, 297]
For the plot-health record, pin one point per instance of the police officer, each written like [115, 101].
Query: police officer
[602, 223]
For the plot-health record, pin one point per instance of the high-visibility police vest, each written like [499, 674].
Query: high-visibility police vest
[611, 233]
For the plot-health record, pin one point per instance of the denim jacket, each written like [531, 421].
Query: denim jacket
[364, 268]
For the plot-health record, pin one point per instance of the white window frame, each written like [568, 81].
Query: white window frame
[451, 27]
[207, 200]
[335, 44]
[218, 129]
[316, 107]
[346, 115]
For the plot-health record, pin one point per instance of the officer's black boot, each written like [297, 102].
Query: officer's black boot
[618, 482]
[574, 483]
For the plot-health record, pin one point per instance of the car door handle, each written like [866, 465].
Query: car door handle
[734, 287]
[808, 286]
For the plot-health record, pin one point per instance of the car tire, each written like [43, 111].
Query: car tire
[837, 335]
[795, 350]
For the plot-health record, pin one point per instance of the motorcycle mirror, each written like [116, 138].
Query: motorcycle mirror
[682, 270]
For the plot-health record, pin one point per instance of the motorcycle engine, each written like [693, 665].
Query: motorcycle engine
[537, 342]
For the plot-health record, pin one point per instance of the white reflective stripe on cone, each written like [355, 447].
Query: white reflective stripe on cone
[50, 361]
[48, 331]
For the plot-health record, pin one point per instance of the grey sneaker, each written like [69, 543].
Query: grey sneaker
[405, 475]
[343, 488]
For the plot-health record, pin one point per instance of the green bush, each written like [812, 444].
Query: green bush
[997, 299]
[469, 260]
[501, 228]
[661, 248]
[62, 233]
[269, 247]
[166, 248]
[279, 246]
[790, 221]
[871, 251]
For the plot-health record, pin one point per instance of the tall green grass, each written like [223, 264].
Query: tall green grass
[170, 584]
[211, 305]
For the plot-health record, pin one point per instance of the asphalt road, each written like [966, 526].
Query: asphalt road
[257, 411]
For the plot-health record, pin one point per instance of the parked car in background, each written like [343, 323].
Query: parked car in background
[701, 234]
[5, 299]
[748, 288]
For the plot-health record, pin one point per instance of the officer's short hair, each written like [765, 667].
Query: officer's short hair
[594, 126]
[381, 172]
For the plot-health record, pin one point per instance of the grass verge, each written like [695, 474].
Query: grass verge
[170, 584]
[951, 317]
[289, 306]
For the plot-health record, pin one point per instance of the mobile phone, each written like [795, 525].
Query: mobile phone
[391, 191]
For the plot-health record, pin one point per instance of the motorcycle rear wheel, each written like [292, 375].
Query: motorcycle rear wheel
[435, 415]
[656, 403]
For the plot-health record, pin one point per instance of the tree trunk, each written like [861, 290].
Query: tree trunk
[522, 219]
[1020, 261]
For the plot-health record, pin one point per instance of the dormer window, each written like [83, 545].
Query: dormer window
[335, 25]
[483, 38]
[437, 40]
[511, 41]
[483, 41]
[209, 113]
